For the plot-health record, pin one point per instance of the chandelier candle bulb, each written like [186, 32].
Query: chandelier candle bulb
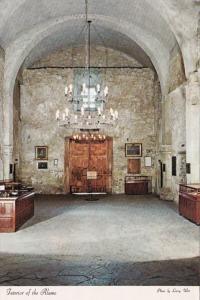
[57, 115]
[99, 111]
[106, 91]
[63, 116]
[70, 88]
[84, 87]
[67, 112]
[98, 88]
[82, 111]
[66, 91]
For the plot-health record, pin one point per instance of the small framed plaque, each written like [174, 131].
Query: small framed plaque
[42, 165]
[91, 175]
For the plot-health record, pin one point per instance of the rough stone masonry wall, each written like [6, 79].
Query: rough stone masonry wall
[2, 59]
[134, 92]
[176, 69]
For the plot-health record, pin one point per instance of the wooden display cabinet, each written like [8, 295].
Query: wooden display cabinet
[189, 202]
[137, 185]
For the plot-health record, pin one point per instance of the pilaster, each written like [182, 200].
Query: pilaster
[193, 127]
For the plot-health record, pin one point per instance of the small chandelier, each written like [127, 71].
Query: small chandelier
[89, 137]
[86, 109]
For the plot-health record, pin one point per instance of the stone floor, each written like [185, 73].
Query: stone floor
[118, 240]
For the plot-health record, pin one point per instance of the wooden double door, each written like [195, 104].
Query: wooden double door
[83, 157]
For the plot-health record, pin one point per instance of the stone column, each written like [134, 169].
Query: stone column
[2, 61]
[193, 127]
[7, 134]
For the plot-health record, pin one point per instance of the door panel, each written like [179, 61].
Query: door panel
[93, 156]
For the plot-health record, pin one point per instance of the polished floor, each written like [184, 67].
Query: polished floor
[116, 240]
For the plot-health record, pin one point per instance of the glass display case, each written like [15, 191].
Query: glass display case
[189, 202]
[16, 205]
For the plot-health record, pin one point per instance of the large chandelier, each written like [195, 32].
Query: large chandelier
[85, 109]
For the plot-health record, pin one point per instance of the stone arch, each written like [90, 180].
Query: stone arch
[22, 46]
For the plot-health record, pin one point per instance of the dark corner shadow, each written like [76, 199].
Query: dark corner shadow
[95, 271]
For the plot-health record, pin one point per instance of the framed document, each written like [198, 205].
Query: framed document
[147, 161]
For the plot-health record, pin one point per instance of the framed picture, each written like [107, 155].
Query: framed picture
[41, 152]
[133, 149]
[42, 165]
[147, 161]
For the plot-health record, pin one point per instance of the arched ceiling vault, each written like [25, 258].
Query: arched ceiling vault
[146, 30]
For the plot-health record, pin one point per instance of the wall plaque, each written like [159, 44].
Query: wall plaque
[91, 175]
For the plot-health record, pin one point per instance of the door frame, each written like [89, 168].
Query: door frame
[67, 162]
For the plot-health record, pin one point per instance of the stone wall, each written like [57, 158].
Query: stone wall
[176, 69]
[134, 92]
[2, 60]
[75, 57]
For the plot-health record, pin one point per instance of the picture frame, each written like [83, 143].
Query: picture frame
[42, 165]
[41, 152]
[133, 149]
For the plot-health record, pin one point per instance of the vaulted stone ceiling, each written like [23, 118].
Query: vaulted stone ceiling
[141, 28]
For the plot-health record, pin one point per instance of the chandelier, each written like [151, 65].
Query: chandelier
[85, 109]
